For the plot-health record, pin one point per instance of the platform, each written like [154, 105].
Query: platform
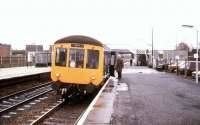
[15, 72]
[102, 110]
[147, 97]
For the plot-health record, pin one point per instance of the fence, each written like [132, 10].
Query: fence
[14, 61]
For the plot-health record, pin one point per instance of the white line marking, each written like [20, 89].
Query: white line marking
[81, 120]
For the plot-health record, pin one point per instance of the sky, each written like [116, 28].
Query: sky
[117, 23]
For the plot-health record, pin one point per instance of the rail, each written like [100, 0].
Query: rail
[16, 93]
[9, 103]
[39, 119]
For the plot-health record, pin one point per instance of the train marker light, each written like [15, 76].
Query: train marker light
[57, 74]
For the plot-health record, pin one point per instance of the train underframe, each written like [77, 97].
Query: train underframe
[68, 90]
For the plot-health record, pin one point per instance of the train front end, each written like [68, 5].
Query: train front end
[77, 65]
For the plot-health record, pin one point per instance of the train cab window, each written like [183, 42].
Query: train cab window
[61, 54]
[76, 58]
[92, 59]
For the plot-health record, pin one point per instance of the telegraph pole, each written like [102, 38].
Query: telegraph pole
[197, 60]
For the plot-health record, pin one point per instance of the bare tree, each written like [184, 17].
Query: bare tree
[183, 46]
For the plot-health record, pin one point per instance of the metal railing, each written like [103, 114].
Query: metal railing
[15, 61]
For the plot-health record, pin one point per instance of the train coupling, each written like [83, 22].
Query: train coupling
[63, 91]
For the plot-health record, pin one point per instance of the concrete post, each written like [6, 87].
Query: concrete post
[1, 60]
[197, 65]
[10, 61]
[185, 71]
[18, 61]
[177, 72]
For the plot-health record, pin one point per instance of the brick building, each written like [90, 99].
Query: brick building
[5, 50]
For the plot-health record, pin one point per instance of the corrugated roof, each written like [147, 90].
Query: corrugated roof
[140, 51]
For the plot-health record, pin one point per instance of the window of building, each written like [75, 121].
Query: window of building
[61, 56]
[92, 59]
[76, 58]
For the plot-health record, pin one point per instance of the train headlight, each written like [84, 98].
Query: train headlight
[92, 78]
[57, 74]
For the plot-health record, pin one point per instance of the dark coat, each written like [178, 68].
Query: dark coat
[119, 65]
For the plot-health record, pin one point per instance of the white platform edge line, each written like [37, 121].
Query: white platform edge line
[82, 119]
[20, 75]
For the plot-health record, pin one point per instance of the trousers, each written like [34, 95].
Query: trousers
[119, 75]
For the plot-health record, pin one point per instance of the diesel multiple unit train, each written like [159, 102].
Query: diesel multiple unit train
[79, 63]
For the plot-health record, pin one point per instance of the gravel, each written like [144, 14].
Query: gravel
[67, 113]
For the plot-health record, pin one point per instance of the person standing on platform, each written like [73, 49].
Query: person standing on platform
[112, 66]
[119, 66]
[131, 62]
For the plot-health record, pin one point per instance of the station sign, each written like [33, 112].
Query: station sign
[196, 56]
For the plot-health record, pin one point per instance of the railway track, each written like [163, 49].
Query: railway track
[62, 116]
[14, 100]
[46, 112]
[60, 111]
[50, 111]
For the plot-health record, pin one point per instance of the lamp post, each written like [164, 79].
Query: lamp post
[152, 48]
[197, 52]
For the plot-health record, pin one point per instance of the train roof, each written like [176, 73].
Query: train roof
[106, 48]
[80, 39]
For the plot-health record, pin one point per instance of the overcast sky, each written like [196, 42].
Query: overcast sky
[119, 23]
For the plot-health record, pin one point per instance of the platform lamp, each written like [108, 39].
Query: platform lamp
[197, 52]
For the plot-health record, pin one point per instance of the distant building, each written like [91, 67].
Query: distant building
[191, 55]
[19, 53]
[141, 57]
[166, 56]
[122, 51]
[34, 48]
[126, 54]
[50, 48]
[5, 50]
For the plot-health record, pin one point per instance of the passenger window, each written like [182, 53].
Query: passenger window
[61, 54]
[92, 59]
[76, 58]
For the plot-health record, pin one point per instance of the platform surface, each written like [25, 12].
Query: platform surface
[7, 73]
[147, 97]
[102, 110]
